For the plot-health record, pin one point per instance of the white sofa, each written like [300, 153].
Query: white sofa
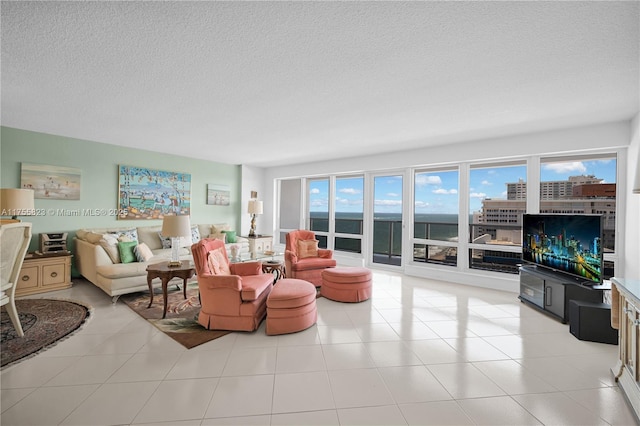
[94, 262]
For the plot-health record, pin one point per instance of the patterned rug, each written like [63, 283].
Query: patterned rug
[44, 322]
[181, 323]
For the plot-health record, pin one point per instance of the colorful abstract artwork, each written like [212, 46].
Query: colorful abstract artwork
[152, 194]
[51, 182]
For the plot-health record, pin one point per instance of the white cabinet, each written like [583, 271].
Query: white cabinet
[44, 273]
[260, 244]
[626, 371]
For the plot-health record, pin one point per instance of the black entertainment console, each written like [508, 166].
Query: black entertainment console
[551, 292]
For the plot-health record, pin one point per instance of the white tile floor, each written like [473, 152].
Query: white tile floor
[419, 352]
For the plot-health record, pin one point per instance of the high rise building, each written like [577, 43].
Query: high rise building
[578, 195]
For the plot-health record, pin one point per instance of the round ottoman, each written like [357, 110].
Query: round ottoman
[291, 306]
[346, 284]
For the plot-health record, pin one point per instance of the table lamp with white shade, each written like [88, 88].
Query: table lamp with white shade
[255, 208]
[16, 202]
[178, 228]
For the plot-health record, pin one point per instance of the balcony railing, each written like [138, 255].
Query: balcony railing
[387, 242]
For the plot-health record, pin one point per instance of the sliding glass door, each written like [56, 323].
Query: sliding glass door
[387, 219]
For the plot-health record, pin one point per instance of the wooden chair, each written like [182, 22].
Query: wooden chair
[14, 242]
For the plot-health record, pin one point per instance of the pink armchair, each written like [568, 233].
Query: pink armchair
[233, 296]
[303, 260]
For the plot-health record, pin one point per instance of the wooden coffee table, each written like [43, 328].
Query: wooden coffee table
[166, 273]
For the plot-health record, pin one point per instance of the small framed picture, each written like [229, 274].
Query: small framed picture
[218, 195]
[51, 182]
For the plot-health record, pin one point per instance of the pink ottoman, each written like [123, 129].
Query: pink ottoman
[345, 284]
[291, 306]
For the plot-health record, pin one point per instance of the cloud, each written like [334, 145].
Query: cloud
[350, 202]
[445, 191]
[392, 194]
[314, 191]
[318, 203]
[480, 195]
[486, 182]
[349, 191]
[388, 202]
[569, 167]
[421, 204]
[422, 179]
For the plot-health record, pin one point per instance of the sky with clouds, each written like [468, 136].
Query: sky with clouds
[438, 192]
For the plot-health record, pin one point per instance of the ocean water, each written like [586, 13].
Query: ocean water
[387, 228]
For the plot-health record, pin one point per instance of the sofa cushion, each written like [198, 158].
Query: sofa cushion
[230, 237]
[307, 248]
[92, 237]
[126, 235]
[143, 252]
[165, 241]
[126, 250]
[82, 234]
[218, 263]
[195, 234]
[313, 263]
[204, 230]
[123, 270]
[216, 231]
[254, 285]
[149, 236]
[109, 243]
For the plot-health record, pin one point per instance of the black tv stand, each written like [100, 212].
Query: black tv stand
[551, 292]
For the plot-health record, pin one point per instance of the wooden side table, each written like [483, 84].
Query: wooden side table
[275, 267]
[166, 273]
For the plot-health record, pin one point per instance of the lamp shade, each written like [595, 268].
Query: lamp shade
[16, 201]
[176, 226]
[255, 207]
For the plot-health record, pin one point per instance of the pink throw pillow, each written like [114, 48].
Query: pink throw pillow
[307, 248]
[218, 263]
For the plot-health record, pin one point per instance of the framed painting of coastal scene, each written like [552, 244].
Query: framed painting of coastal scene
[151, 194]
[51, 182]
[218, 195]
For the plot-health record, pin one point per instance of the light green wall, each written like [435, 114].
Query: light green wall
[98, 163]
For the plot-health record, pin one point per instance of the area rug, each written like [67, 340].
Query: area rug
[45, 322]
[181, 322]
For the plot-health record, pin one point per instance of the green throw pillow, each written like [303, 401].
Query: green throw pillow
[230, 236]
[126, 250]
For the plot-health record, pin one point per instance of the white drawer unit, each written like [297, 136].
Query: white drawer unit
[260, 244]
[44, 273]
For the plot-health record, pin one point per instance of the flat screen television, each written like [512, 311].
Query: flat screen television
[567, 243]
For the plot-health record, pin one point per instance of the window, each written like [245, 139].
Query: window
[435, 216]
[474, 227]
[349, 213]
[582, 185]
[497, 200]
[318, 218]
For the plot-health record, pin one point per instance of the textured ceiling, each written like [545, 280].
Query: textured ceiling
[271, 83]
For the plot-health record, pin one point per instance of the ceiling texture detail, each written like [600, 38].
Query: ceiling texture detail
[274, 83]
